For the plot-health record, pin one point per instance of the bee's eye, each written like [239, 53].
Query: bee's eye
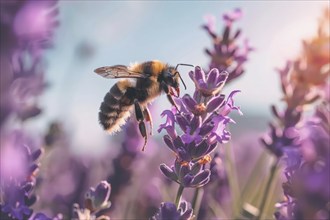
[169, 80]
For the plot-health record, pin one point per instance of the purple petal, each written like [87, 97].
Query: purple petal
[167, 210]
[219, 131]
[184, 170]
[195, 123]
[195, 168]
[200, 149]
[237, 34]
[187, 138]
[222, 78]
[202, 85]
[215, 103]
[203, 182]
[183, 206]
[189, 102]
[169, 124]
[178, 142]
[169, 143]
[199, 75]
[230, 104]
[183, 154]
[230, 17]
[181, 105]
[36, 154]
[201, 178]
[186, 181]
[211, 148]
[212, 76]
[168, 172]
[210, 22]
[206, 129]
[187, 215]
[101, 194]
[182, 121]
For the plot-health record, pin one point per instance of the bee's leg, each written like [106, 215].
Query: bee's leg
[169, 97]
[140, 118]
[148, 118]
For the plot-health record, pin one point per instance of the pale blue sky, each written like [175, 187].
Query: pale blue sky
[125, 32]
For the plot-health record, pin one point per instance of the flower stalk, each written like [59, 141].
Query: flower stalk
[178, 196]
[265, 195]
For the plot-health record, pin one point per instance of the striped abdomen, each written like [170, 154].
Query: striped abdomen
[116, 106]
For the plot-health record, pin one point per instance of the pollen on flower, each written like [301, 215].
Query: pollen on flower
[184, 163]
[200, 109]
[206, 159]
[220, 60]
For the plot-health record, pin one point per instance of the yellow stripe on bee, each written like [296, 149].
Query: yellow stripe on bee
[157, 67]
[123, 85]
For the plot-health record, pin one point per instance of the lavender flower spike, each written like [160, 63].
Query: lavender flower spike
[227, 53]
[202, 120]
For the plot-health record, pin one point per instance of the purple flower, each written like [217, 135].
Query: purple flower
[168, 211]
[96, 201]
[169, 124]
[202, 120]
[34, 25]
[306, 189]
[27, 29]
[231, 17]
[278, 140]
[227, 54]
[186, 174]
[18, 170]
[98, 198]
[203, 123]
[189, 150]
[208, 84]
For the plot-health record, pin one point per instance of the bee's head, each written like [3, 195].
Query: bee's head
[171, 77]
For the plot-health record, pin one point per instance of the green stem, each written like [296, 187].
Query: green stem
[268, 185]
[178, 196]
[196, 201]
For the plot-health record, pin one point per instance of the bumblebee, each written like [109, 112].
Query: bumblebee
[142, 83]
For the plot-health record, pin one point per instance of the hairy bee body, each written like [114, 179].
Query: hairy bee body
[119, 101]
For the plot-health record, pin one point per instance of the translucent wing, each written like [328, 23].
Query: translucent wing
[118, 71]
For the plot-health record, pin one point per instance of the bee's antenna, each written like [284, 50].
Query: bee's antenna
[185, 87]
[182, 64]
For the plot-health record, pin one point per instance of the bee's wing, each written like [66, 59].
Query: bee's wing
[118, 71]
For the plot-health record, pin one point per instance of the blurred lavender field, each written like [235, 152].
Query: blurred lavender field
[249, 140]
